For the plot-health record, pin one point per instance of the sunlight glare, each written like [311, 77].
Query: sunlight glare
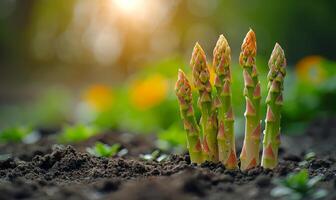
[141, 15]
[128, 6]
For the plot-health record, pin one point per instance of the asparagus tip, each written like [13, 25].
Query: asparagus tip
[278, 50]
[249, 46]
[181, 74]
[198, 55]
[221, 45]
[182, 87]
[221, 54]
[198, 48]
[222, 40]
[277, 60]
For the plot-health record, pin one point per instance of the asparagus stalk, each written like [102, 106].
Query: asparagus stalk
[225, 118]
[208, 122]
[249, 156]
[183, 93]
[271, 142]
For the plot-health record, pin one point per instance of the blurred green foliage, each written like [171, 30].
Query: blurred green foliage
[298, 186]
[51, 108]
[172, 139]
[15, 134]
[77, 133]
[306, 99]
[103, 150]
[126, 115]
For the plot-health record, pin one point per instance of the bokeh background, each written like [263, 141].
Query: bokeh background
[112, 64]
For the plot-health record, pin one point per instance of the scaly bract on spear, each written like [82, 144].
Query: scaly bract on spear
[222, 101]
[274, 100]
[208, 122]
[249, 156]
[184, 95]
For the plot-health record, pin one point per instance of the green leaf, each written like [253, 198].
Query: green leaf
[77, 133]
[14, 134]
[320, 194]
[297, 186]
[309, 156]
[281, 191]
[173, 137]
[312, 182]
[154, 156]
[103, 150]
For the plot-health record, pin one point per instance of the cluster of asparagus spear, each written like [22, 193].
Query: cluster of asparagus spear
[213, 138]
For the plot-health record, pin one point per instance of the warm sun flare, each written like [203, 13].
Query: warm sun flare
[128, 6]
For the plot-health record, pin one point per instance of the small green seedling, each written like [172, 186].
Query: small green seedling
[154, 156]
[103, 150]
[307, 158]
[77, 133]
[14, 134]
[171, 139]
[310, 156]
[298, 186]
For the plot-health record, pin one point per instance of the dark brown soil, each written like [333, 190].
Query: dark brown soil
[66, 172]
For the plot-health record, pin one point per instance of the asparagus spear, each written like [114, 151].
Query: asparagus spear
[183, 93]
[271, 142]
[249, 156]
[225, 118]
[208, 120]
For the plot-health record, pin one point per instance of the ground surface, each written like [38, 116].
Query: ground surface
[47, 171]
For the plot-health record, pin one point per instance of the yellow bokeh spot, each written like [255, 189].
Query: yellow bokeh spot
[99, 97]
[310, 69]
[149, 92]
